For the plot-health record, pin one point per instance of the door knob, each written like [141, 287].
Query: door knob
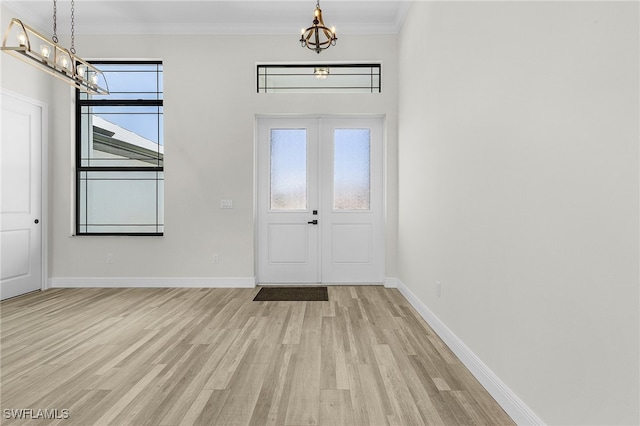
[313, 222]
[36, 221]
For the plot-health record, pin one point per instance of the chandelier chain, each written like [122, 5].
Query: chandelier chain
[55, 22]
[73, 36]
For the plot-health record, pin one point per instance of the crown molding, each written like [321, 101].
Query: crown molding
[35, 14]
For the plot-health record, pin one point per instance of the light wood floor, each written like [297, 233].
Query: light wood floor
[215, 357]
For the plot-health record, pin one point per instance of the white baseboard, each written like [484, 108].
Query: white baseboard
[120, 282]
[90, 282]
[508, 400]
[391, 282]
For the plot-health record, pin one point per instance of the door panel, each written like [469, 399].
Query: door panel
[288, 243]
[351, 243]
[15, 246]
[320, 195]
[20, 206]
[16, 161]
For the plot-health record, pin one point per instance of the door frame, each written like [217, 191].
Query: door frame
[256, 177]
[44, 173]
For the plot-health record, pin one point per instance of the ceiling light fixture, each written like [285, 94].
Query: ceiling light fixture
[30, 46]
[321, 73]
[318, 36]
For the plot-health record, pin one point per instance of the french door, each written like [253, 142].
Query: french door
[20, 197]
[320, 200]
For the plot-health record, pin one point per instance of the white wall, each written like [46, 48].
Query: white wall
[518, 191]
[210, 110]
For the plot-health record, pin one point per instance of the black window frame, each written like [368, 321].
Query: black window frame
[79, 169]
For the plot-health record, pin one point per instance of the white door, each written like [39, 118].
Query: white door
[288, 245]
[352, 200]
[320, 200]
[20, 197]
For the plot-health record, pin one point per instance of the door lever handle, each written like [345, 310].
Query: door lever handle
[313, 222]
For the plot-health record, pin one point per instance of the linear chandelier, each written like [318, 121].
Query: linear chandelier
[318, 36]
[28, 45]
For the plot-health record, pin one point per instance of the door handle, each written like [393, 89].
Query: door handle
[313, 222]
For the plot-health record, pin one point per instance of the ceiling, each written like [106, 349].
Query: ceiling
[210, 16]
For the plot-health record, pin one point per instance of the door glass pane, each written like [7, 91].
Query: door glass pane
[288, 169]
[351, 170]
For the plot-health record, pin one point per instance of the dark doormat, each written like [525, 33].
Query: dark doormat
[292, 294]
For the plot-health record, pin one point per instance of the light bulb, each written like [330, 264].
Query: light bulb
[22, 38]
[64, 62]
[45, 51]
[333, 30]
[81, 70]
[321, 73]
[94, 79]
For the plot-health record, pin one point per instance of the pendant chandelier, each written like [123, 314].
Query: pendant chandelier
[318, 36]
[30, 46]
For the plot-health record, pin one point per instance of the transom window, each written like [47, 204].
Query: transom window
[319, 78]
[120, 152]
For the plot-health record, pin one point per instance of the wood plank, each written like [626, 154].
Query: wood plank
[265, 411]
[403, 404]
[359, 401]
[375, 394]
[227, 367]
[335, 407]
[197, 407]
[294, 326]
[303, 407]
[327, 356]
[244, 389]
[212, 408]
[126, 399]
[313, 315]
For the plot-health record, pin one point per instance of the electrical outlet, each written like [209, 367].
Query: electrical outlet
[438, 289]
[109, 258]
[226, 204]
[215, 258]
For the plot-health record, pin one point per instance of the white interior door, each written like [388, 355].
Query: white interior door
[20, 199]
[320, 200]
